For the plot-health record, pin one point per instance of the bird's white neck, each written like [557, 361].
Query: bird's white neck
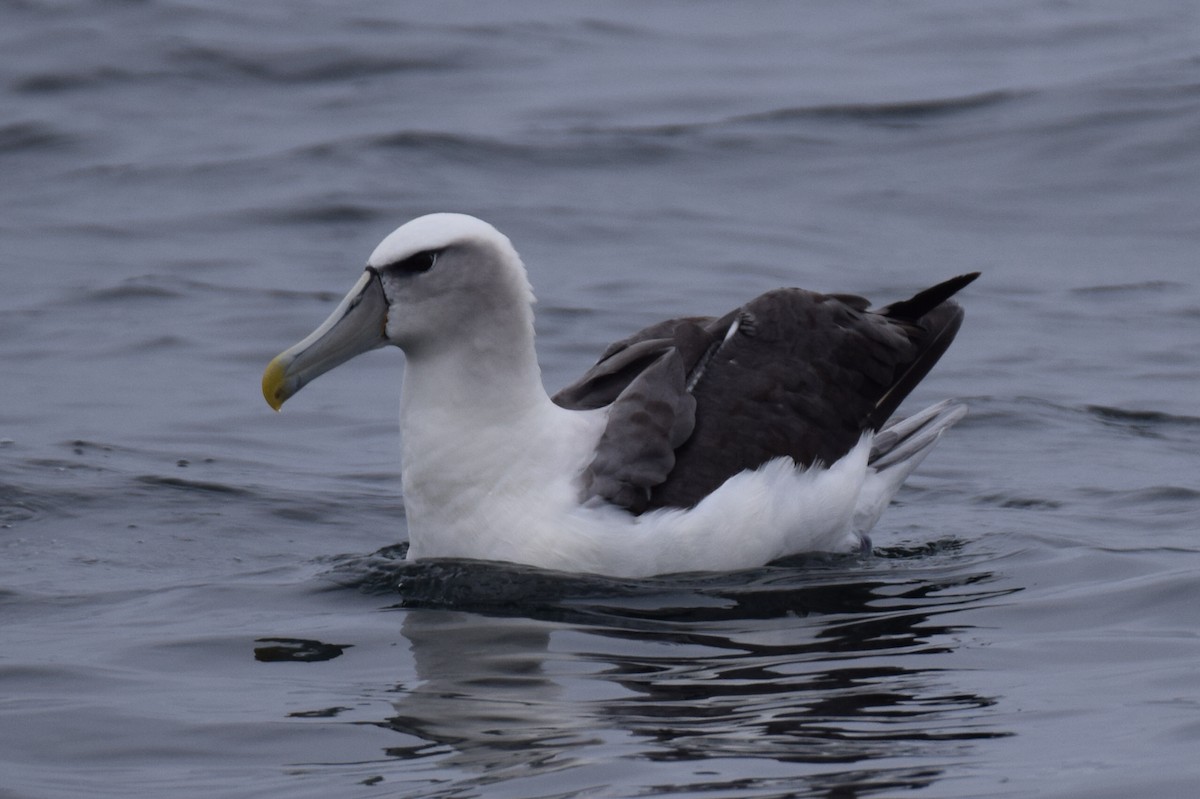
[468, 431]
[486, 378]
[478, 433]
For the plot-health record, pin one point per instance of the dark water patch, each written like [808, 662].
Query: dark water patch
[63, 81]
[88, 228]
[163, 343]
[149, 289]
[159, 481]
[333, 213]
[59, 465]
[850, 784]
[299, 511]
[1141, 421]
[18, 138]
[1018, 502]
[103, 450]
[320, 713]
[886, 114]
[1018, 413]
[1034, 413]
[621, 29]
[300, 66]
[1169, 494]
[19, 504]
[904, 114]
[389, 480]
[323, 297]
[606, 150]
[133, 289]
[1164, 497]
[565, 31]
[1147, 286]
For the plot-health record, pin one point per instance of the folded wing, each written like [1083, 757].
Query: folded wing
[791, 373]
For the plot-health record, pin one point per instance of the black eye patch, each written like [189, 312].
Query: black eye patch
[416, 263]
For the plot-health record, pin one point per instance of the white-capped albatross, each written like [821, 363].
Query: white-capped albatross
[697, 444]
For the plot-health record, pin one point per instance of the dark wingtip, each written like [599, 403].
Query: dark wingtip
[929, 312]
[925, 301]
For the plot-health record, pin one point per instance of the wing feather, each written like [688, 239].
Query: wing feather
[791, 373]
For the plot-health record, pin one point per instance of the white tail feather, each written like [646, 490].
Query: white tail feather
[895, 451]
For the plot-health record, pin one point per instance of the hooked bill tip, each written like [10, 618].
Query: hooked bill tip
[274, 382]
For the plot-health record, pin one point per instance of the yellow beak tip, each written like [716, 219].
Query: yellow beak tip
[274, 384]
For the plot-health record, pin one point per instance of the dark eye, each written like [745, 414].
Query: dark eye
[417, 262]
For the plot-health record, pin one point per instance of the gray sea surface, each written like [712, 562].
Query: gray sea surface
[202, 598]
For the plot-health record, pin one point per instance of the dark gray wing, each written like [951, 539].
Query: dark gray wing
[644, 381]
[792, 373]
[626, 359]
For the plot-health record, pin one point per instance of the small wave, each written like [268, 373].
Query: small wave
[319, 214]
[434, 139]
[1166, 496]
[33, 491]
[1018, 502]
[21, 137]
[1032, 411]
[138, 288]
[317, 65]
[192, 485]
[18, 505]
[890, 112]
[1127, 288]
[1140, 419]
[893, 113]
[580, 151]
[144, 288]
[294, 294]
[57, 82]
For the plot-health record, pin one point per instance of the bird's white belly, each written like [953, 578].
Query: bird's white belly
[499, 492]
[530, 513]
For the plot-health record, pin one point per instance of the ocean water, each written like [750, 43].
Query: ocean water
[199, 597]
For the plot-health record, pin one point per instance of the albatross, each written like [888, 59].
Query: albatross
[698, 444]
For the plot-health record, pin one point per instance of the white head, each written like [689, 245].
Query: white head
[449, 278]
[442, 282]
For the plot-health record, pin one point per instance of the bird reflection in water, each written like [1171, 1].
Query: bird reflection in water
[816, 661]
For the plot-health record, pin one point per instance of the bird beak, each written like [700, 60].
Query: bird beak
[358, 325]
